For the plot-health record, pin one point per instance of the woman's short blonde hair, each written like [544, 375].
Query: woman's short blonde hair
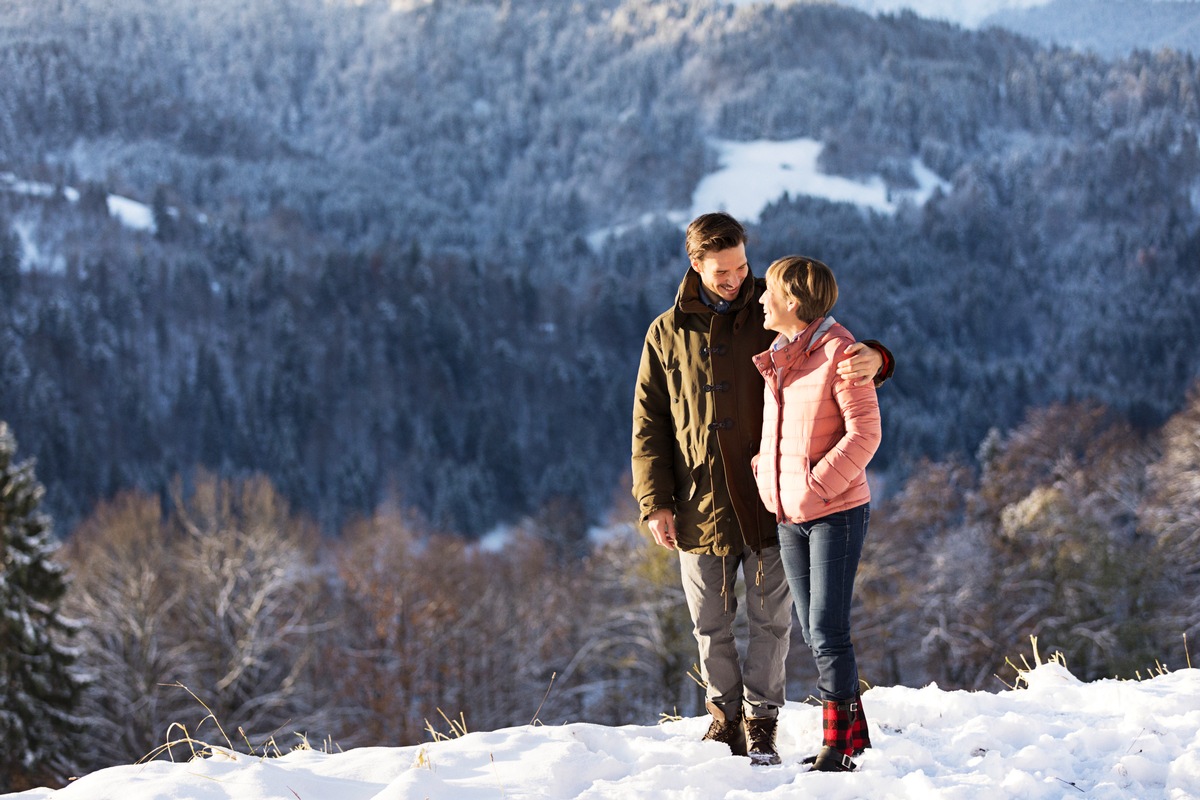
[807, 281]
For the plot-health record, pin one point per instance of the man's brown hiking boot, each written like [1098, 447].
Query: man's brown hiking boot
[760, 733]
[725, 730]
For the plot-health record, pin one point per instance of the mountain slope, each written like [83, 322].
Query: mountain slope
[383, 282]
[1112, 28]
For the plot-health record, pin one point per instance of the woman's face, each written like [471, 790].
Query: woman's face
[779, 311]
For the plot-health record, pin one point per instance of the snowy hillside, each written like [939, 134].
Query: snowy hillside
[1112, 28]
[1054, 738]
[968, 13]
[752, 175]
[130, 213]
[346, 156]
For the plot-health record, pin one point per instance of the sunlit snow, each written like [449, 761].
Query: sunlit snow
[130, 213]
[752, 175]
[1056, 738]
[755, 174]
[968, 13]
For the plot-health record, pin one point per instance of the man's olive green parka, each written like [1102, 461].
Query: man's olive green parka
[697, 421]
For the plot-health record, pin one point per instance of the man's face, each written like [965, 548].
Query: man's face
[723, 271]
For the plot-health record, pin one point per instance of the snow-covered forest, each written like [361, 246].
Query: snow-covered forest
[390, 297]
[352, 198]
[1109, 27]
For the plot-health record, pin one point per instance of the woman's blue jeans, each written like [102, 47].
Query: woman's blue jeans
[821, 558]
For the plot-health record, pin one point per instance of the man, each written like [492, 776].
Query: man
[697, 419]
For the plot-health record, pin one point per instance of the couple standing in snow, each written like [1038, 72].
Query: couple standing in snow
[754, 418]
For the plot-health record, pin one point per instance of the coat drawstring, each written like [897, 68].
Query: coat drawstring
[758, 581]
[724, 585]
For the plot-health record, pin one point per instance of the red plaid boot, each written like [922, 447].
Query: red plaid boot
[860, 736]
[838, 721]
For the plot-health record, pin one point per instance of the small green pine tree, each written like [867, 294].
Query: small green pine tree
[38, 690]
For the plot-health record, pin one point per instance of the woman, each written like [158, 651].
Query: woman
[819, 433]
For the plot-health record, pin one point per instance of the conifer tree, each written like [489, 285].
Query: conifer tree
[10, 266]
[38, 690]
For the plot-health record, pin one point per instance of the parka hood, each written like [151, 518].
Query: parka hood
[689, 301]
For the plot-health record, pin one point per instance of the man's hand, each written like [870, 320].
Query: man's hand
[662, 527]
[862, 366]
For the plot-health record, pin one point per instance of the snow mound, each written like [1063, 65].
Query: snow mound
[1057, 738]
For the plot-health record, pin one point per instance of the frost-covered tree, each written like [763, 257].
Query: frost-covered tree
[1172, 519]
[127, 589]
[1044, 542]
[219, 601]
[38, 690]
[639, 658]
[430, 622]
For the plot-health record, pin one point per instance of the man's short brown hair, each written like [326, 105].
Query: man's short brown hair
[807, 281]
[712, 233]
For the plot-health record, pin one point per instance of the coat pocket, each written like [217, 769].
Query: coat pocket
[812, 499]
[814, 486]
[687, 481]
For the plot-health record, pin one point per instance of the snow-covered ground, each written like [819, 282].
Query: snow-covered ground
[129, 213]
[968, 13]
[755, 174]
[1055, 738]
[752, 175]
